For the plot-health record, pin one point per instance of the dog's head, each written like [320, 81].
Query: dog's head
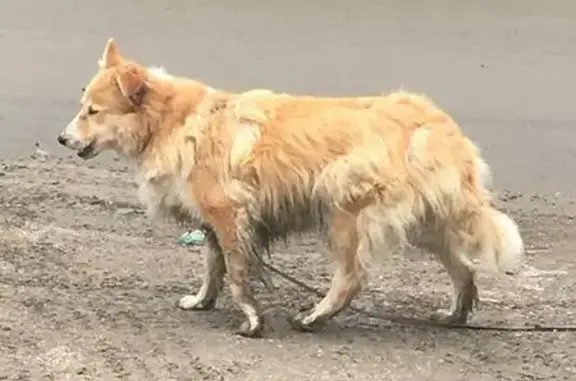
[110, 109]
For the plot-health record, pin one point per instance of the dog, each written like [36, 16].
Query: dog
[370, 174]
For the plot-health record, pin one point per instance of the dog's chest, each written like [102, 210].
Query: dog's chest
[167, 196]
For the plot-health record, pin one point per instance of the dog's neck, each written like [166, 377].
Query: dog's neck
[168, 117]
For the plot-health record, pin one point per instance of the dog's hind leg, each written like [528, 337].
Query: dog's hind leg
[462, 276]
[347, 280]
[214, 270]
[480, 237]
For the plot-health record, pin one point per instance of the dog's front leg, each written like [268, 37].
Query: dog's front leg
[228, 225]
[237, 265]
[214, 270]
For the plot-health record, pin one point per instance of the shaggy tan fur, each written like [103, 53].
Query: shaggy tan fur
[372, 173]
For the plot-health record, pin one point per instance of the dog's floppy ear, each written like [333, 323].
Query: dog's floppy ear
[111, 56]
[131, 80]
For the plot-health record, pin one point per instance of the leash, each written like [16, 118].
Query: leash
[422, 322]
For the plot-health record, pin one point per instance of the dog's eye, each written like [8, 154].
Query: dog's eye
[91, 110]
[83, 89]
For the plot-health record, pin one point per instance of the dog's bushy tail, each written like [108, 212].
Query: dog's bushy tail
[452, 193]
[489, 239]
[482, 235]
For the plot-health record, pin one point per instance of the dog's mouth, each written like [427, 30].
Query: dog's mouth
[89, 151]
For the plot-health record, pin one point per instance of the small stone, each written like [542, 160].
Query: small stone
[125, 211]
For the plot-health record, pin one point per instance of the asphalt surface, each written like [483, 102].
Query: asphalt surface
[505, 70]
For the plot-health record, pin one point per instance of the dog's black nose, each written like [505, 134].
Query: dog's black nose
[62, 140]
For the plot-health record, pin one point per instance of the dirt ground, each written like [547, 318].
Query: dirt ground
[89, 285]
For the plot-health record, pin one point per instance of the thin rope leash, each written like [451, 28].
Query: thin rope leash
[422, 322]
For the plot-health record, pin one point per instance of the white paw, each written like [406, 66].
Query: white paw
[188, 302]
[441, 314]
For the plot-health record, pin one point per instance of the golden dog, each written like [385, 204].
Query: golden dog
[371, 173]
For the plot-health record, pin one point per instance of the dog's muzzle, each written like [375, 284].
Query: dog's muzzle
[85, 151]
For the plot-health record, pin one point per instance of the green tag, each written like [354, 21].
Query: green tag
[191, 238]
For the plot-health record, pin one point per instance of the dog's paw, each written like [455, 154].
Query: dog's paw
[194, 303]
[444, 316]
[303, 322]
[251, 330]
[464, 305]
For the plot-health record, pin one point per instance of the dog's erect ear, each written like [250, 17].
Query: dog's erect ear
[131, 80]
[111, 56]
